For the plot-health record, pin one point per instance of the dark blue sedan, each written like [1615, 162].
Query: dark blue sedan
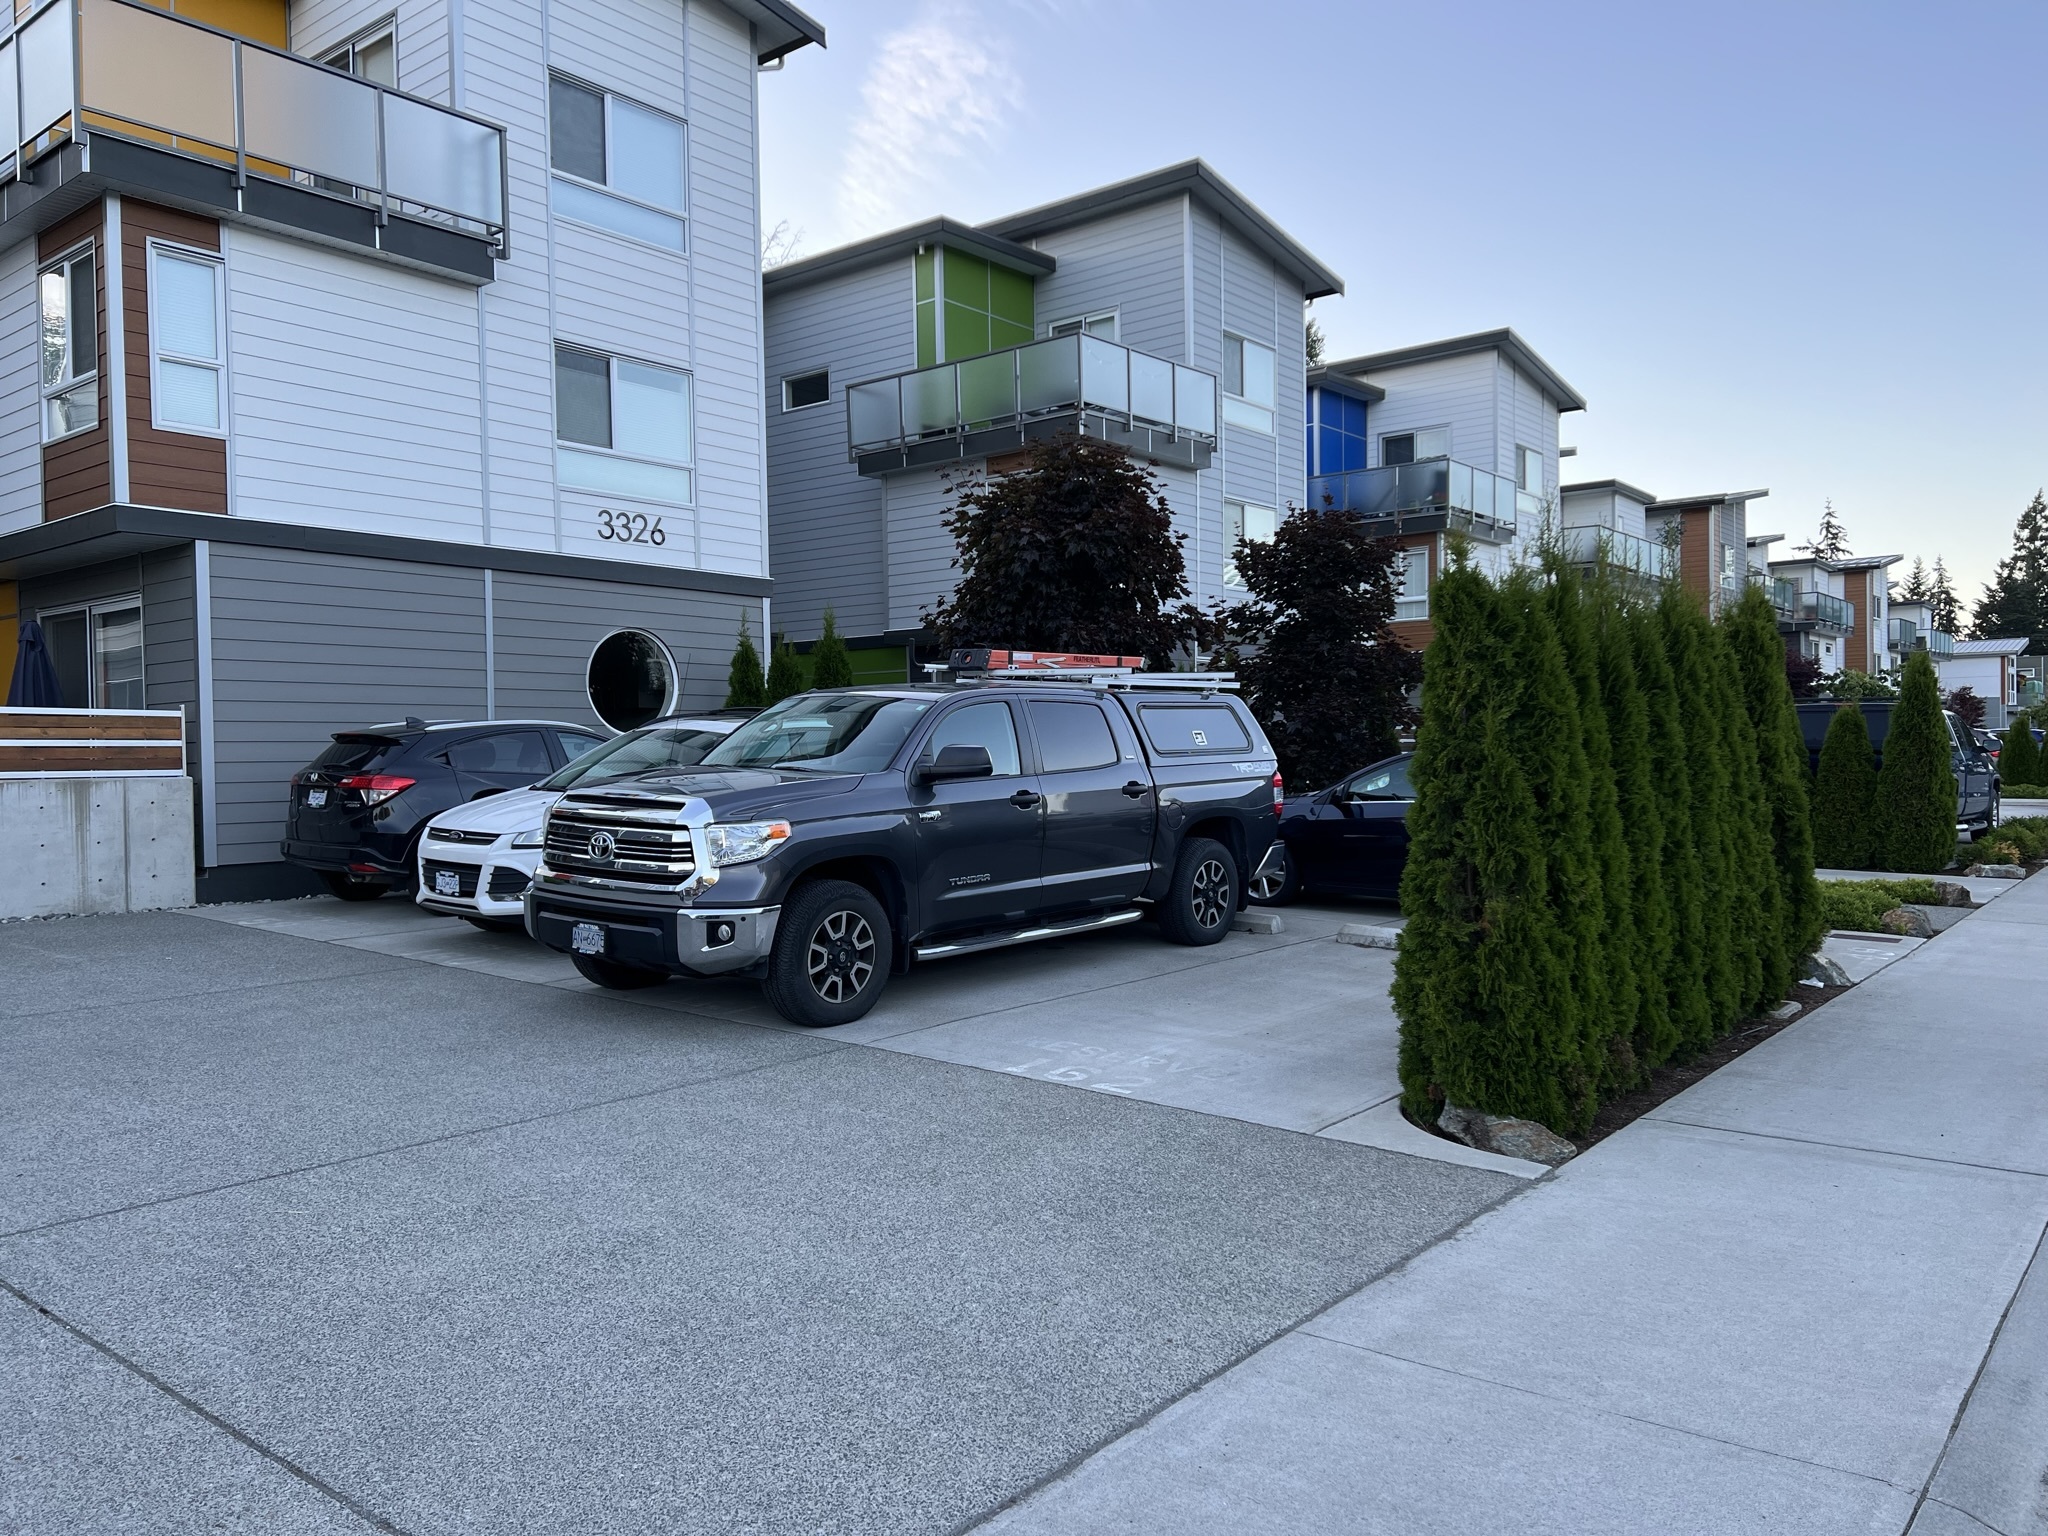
[1348, 840]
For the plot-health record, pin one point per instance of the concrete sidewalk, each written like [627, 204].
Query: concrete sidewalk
[1797, 1297]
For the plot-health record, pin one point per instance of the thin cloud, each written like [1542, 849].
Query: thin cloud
[934, 95]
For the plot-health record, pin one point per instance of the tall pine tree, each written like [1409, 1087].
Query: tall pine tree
[1944, 607]
[2016, 602]
[1832, 541]
[1917, 587]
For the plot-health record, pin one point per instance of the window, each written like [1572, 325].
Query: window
[96, 652]
[636, 752]
[631, 679]
[617, 164]
[67, 294]
[189, 344]
[967, 306]
[373, 56]
[1101, 325]
[1529, 469]
[1242, 520]
[1412, 597]
[980, 725]
[511, 753]
[630, 422]
[1412, 447]
[1193, 728]
[803, 390]
[576, 743]
[1386, 781]
[1251, 383]
[1071, 737]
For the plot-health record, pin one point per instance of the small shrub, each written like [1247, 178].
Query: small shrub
[2023, 791]
[1995, 853]
[745, 687]
[2019, 760]
[1844, 835]
[830, 665]
[1854, 906]
[1916, 787]
[785, 674]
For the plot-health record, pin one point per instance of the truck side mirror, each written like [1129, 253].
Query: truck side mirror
[958, 761]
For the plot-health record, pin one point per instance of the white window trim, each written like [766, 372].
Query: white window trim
[376, 31]
[681, 215]
[1542, 470]
[1380, 442]
[612, 361]
[90, 610]
[47, 393]
[1270, 413]
[1234, 509]
[1410, 557]
[218, 363]
[808, 373]
[1080, 324]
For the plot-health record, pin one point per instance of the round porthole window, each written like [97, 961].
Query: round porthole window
[632, 679]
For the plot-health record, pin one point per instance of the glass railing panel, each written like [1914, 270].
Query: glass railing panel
[10, 108]
[149, 69]
[1049, 374]
[1420, 485]
[309, 118]
[1376, 492]
[1152, 388]
[1194, 400]
[1527, 503]
[988, 388]
[1105, 375]
[1460, 488]
[45, 66]
[931, 401]
[437, 160]
[874, 413]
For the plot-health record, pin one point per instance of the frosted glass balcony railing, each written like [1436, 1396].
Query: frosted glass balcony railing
[1904, 635]
[1937, 643]
[1824, 608]
[1441, 491]
[109, 66]
[1617, 551]
[1037, 381]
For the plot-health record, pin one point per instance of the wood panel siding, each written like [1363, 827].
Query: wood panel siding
[1856, 587]
[186, 470]
[1416, 634]
[1696, 552]
[78, 472]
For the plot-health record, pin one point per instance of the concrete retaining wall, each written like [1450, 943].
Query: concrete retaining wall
[94, 845]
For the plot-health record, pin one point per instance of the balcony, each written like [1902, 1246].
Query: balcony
[1818, 610]
[999, 401]
[109, 95]
[1936, 643]
[1904, 635]
[1623, 553]
[1428, 496]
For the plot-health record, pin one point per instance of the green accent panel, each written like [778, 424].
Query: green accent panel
[1012, 297]
[925, 284]
[881, 664]
[966, 281]
[927, 334]
[1004, 333]
[966, 331]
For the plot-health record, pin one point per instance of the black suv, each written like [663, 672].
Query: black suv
[357, 809]
[839, 836]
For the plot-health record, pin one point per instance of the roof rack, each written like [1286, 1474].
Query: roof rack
[1120, 678]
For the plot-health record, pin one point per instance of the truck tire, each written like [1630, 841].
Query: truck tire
[615, 977]
[832, 955]
[1201, 901]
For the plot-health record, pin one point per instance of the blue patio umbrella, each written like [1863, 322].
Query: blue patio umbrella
[35, 675]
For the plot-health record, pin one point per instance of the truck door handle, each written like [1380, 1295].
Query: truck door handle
[1136, 790]
[1025, 799]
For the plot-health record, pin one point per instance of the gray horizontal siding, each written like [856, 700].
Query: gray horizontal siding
[1134, 263]
[921, 549]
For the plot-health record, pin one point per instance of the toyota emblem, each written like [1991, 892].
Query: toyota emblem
[602, 846]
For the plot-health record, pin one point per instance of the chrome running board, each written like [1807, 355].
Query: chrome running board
[1026, 935]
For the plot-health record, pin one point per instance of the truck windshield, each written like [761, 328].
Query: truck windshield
[643, 751]
[834, 732]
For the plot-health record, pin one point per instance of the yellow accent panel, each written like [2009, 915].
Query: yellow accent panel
[261, 21]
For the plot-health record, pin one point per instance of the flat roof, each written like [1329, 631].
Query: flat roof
[1504, 340]
[1343, 384]
[779, 27]
[1866, 562]
[2012, 646]
[1196, 179]
[1763, 538]
[903, 242]
[1710, 499]
[1632, 492]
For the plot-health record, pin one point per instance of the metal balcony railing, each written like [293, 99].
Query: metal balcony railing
[1826, 610]
[1936, 643]
[79, 67]
[1615, 551]
[1904, 635]
[980, 404]
[1427, 495]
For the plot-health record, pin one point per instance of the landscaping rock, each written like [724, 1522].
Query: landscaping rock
[1908, 922]
[1785, 1010]
[1995, 872]
[1256, 922]
[1823, 972]
[1505, 1135]
[1369, 936]
[1940, 919]
[1948, 894]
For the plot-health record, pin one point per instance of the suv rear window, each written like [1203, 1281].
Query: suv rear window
[1193, 728]
[358, 754]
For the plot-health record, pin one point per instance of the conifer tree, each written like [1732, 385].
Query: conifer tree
[830, 667]
[1844, 834]
[1757, 913]
[2016, 601]
[2019, 759]
[785, 673]
[1832, 541]
[1643, 800]
[745, 688]
[1943, 606]
[1751, 629]
[1916, 786]
[1691, 1014]
[1687, 635]
[1917, 588]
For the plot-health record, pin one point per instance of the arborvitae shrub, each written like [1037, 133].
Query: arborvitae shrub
[1759, 652]
[830, 667]
[1643, 801]
[1844, 794]
[1757, 912]
[1916, 787]
[785, 674]
[1691, 1013]
[1688, 635]
[745, 687]
[2019, 760]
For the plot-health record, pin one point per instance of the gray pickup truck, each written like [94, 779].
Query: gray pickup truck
[841, 836]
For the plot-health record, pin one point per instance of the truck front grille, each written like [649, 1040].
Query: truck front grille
[621, 843]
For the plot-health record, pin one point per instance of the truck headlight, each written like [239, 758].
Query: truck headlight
[741, 842]
[532, 837]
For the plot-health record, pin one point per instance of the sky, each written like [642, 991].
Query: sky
[1794, 245]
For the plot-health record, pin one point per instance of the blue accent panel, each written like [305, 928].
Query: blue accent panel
[1354, 418]
[1312, 467]
[1332, 456]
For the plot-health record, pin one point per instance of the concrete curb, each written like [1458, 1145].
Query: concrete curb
[1369, 936]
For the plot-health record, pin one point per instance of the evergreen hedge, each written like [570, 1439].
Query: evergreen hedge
[745, 688]
[2019, 760]
[1610, 854]
[1845, 794]
[1916, 787]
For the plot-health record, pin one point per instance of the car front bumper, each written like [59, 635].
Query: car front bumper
[502, 867]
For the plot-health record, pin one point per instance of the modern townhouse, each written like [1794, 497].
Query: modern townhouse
[366, 358]
[1911, 628]
[1815, 613]
[1992, 670]
[1164, 313]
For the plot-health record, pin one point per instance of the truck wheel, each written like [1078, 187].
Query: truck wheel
[1199, 905]
[1280, 884]
[832, 953]
[618, 978]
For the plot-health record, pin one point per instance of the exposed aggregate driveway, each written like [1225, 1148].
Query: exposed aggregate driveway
[301, 1237]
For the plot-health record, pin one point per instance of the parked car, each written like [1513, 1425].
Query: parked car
[476, 861]
[1348, 840]
[840, 836]
[1987, 743]
[357, 810]
[1976, 773]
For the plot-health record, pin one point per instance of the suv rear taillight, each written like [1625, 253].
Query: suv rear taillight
[375, 788]
[1279, 793]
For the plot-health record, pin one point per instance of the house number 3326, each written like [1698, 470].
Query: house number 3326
[630, 527]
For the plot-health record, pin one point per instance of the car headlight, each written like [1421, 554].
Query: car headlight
[532, 837]
[741, 842]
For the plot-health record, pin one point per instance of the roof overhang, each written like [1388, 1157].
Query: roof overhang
[779, 28]
[1622, 487]
[1343, 384]
[897, 243]
[1503, 341]
[1192, 178]
[1711, 499]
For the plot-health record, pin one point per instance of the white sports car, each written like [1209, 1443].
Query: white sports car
[477, 860]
